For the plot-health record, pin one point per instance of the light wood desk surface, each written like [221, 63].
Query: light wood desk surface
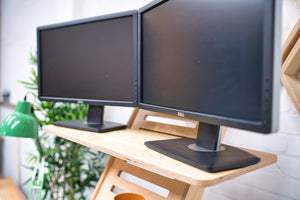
[129, 145]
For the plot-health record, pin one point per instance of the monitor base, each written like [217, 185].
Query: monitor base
[227, 158]
[83, 125]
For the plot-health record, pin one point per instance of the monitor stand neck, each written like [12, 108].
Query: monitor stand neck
[209, 137]
[95, 114]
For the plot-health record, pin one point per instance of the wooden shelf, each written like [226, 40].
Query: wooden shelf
[290, 70]
[128, 144]
[8, 190]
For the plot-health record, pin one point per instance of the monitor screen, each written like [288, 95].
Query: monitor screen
[93, 61]
[211, 60]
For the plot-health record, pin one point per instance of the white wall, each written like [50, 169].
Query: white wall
[19, 21]
[280, 181]
[18, 37]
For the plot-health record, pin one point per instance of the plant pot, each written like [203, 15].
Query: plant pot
[129, 196]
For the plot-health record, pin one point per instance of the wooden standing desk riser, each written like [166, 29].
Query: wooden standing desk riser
[291, 40]
[187, 182]
[290, 69]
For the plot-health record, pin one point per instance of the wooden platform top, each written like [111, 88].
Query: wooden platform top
[129, 145]
[9, 190]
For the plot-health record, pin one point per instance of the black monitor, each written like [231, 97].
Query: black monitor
[90, 61]
[214, 61]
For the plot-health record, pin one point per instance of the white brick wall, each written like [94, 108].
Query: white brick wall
[280, 181]
[293, 148]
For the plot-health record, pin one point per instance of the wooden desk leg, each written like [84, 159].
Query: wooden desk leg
[110, 178]
[194, 193]
[108, 194]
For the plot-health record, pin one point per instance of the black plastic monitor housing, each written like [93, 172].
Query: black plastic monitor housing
[94, 121]
[271, 79]
[217, 157]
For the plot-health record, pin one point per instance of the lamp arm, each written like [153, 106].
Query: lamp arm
[37, 180]
[39, 147]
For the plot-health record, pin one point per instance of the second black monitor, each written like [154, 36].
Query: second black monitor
[214, 61]
[211, 60]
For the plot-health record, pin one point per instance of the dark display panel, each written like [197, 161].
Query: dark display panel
[205, 57]
[214, 61]
[93, 61]
[90, 61]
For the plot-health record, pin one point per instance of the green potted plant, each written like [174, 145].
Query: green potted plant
[72, 170]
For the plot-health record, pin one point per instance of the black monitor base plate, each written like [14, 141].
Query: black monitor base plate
[83, 125]
[228, 158]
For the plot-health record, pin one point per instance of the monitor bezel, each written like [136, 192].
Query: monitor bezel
[133, 103]
[271, 81]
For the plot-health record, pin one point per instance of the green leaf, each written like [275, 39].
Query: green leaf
[49, 151]
[26, 182]
[33, 58]
[65, 161]
[26, 83]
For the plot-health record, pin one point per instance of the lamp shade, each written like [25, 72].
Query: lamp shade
[21, 123]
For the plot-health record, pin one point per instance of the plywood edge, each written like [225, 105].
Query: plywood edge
[266, 160]
[132, 117]
[290, 69]
[194, 192]
[129, 145]
[66, 133]
[113, 178]
[210, 179]
[297, 2]
[290, 66]
[102, 179]
[290, 41]
[293, 89]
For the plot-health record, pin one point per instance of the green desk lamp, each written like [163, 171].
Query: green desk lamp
[22, 124]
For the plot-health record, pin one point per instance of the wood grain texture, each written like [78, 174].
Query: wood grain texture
[194, 193]
[111, 178]
[133, 117]
[129, 145]
[140, 122]
[298, 2]
[108, 194]
[291, 40]
[9, 191]
[290, 70]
